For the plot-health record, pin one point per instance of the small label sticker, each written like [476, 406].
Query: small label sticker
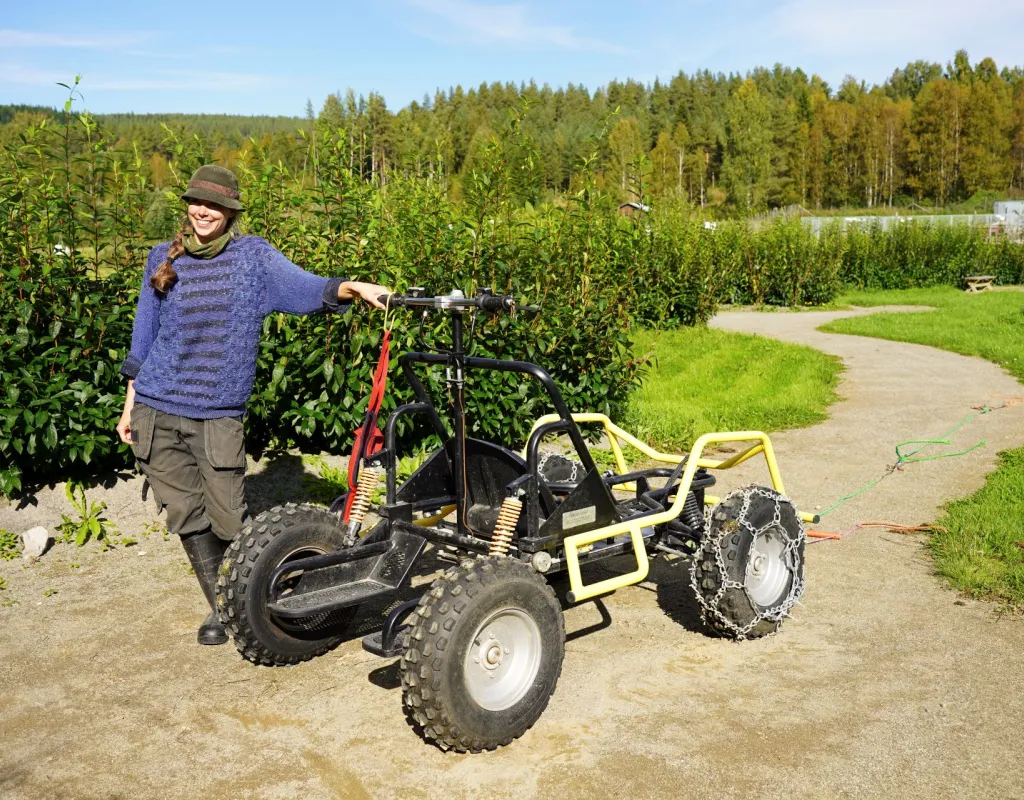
[581, 516]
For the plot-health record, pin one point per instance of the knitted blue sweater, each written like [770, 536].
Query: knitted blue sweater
[194, 349]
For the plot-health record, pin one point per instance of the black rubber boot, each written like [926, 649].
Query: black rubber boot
[205, 551]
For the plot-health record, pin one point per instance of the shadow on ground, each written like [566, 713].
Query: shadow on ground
[286, 478]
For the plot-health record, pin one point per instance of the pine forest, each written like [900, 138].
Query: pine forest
[931, 135]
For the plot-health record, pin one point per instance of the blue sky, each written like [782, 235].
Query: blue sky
[256, 57]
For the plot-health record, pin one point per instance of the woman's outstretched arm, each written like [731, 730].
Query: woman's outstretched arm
[293, 290]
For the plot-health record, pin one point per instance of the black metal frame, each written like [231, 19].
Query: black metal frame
[382, 561]
[536, 493]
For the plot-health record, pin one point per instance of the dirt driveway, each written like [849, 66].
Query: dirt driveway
[885, 685]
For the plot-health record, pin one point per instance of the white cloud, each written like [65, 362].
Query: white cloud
[163, 79]
[15, 38]
[841, 28]
[32, 76]
[834, 38]
[508, 24]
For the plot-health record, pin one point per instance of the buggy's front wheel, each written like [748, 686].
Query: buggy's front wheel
[483, 654]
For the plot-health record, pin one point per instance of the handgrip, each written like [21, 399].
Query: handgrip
[496, 303]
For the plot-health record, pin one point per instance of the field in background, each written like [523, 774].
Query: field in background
[703, 381]
[989, 325]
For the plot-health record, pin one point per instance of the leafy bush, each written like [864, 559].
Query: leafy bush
[913, 254]
[61, 346]
[89, 522]
[8, 545]
[71, 269]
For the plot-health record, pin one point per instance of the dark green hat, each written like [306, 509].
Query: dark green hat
[215, 185]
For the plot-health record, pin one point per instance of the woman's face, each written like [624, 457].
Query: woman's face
[209, 220]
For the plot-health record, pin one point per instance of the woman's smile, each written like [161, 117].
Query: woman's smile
[208, 219]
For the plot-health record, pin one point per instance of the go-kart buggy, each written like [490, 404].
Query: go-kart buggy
[482, 649]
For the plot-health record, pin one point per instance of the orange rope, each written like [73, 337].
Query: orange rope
[1011, 401]
[892, 527]
[1008, 400]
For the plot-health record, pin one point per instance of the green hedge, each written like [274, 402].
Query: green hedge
[71, 269]
[914, 254]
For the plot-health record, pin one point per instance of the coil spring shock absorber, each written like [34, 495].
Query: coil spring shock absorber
[692, 514]
[368, 479]
[508, 517]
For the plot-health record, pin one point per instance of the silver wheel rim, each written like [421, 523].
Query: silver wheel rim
[302, 624]
[306, 551]
[767, 571]
[503, 659]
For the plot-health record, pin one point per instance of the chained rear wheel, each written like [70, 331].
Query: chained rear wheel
[483, 654]
[278, 536]
[749, 570]
[555, 468]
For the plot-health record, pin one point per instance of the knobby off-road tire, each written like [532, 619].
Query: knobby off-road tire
[284, 533]
[483, 654]
[749, 570]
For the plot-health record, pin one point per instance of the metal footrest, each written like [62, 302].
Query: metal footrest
[574, 544]
[390, 640]
[329, 599]
[374, 643]
[343, 579]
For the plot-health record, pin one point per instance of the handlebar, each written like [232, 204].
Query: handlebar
[455, 301]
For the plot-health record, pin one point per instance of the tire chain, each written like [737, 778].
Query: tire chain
[792, 555]
[576, 466]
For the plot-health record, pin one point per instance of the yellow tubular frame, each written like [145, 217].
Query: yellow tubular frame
[426, 522]
[573, 544]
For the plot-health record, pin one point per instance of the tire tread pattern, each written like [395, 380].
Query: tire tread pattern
[436, 616]
[730, 612]
[235, 590]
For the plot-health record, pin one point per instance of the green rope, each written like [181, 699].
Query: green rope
[908, 458]
[905, 459]
[844, 498]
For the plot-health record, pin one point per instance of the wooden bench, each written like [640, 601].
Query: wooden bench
[979, 283]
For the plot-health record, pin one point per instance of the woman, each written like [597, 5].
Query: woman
[193, 361]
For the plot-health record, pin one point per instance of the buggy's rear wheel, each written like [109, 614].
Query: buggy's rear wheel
[276, 537]
[749, 570]
[555, 468]
[483, 654]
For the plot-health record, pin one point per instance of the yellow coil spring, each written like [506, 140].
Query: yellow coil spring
[368, 479]
[508, 516]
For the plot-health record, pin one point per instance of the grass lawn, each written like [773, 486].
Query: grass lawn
[990, 325]
[710, 380]
[982, 554]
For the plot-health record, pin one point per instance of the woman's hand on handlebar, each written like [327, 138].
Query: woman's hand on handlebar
[367, 292]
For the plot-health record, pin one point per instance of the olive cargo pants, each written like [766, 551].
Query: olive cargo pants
[195, 467]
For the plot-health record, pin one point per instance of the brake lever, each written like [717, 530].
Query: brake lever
[427, 346]
[472, 330]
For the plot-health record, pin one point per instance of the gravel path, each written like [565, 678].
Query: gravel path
[885, 685]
